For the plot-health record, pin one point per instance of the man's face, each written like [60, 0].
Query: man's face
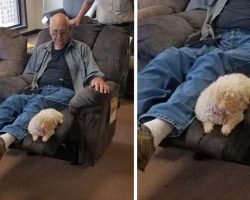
[60, 34]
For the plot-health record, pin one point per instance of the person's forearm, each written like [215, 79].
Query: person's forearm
[84, 9]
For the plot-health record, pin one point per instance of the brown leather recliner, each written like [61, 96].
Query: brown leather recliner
[90, 120]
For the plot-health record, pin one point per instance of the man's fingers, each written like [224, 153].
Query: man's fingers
[106, 89]
[101, 88]
[97, 86]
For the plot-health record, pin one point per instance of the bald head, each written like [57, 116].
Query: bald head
[59, 30]
[59, 19]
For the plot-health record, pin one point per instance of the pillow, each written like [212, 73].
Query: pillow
[13, 51]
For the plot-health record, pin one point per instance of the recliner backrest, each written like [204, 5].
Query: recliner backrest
[109, 45]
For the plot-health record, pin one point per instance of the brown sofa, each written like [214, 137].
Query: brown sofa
[87, 129]
[163, 24]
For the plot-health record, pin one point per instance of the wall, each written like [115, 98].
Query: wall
[35, 10]
[52, 4]
[34, 14]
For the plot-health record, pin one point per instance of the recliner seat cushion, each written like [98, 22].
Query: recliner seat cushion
[50, 147]
[235, 147]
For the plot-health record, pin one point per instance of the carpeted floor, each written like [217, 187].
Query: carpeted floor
[173, 174]
[25, 177]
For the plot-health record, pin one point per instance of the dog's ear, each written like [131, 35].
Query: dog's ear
[223, 104]
[244, 101]
[230, 105]
[48, 125]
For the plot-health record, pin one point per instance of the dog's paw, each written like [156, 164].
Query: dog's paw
[34, 138]
[226, 130]
[208, 127]
[45, 139]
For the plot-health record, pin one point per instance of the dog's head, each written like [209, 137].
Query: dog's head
[48, 125]
[232, 102]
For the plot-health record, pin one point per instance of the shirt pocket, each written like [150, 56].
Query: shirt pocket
[121, 5]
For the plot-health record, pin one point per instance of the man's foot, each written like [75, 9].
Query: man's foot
[145, 145]
[2, 148]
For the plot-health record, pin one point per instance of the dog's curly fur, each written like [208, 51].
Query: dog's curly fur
[44, 124]
[223, 103]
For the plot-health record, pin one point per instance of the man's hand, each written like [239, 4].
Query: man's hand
[75, 21]
[100, 85]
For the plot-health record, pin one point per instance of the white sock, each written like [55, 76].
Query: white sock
[159, 129]
[8, 139]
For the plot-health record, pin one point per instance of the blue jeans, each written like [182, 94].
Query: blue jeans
[17, 110]
[168, 87]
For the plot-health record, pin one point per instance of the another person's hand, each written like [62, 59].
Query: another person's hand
[75, 21]
[100, 85]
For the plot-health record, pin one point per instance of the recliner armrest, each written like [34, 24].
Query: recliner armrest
[89, 97]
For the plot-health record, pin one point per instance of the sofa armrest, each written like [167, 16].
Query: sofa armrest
[11, 85]
[89, 97]
[8, 73]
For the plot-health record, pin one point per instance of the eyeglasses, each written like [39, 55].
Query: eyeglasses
[61, 33]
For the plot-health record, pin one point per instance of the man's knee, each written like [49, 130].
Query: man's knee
[13, 98]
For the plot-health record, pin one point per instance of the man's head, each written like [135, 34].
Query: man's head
[59, 30]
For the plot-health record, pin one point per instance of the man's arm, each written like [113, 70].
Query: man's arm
[30, 67]
[84, 9]
[94, 77]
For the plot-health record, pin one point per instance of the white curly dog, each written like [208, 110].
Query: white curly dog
[44, 124]
[223, 103]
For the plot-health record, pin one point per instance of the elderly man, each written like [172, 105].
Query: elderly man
[61, 68]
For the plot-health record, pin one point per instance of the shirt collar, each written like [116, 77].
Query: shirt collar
[49, 45]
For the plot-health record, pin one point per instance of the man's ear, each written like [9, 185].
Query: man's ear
[49, 29]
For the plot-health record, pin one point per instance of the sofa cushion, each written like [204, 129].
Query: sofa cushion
[175, 5]
[158, 33]
[154, 10]
[13, 51]
[160, 7]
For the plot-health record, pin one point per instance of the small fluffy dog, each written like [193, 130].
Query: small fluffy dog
[223, 103]
[44, 124]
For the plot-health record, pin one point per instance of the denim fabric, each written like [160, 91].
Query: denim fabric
[17, 110]
[169, 85]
